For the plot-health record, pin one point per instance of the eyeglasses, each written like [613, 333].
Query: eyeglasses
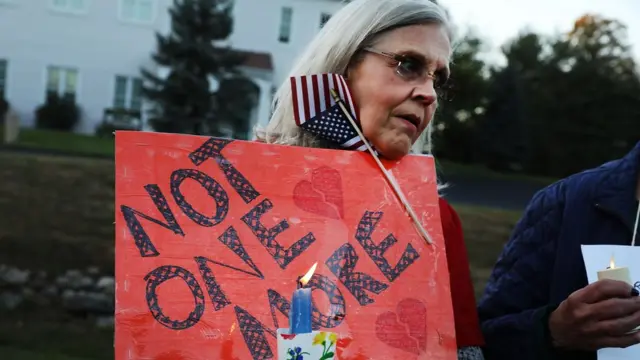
[412, 68]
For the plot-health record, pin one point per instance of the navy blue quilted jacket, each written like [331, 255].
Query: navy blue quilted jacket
[542, 263]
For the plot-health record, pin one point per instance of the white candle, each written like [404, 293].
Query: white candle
[615, 273]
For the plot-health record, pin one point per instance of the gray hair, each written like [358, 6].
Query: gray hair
[357, 25]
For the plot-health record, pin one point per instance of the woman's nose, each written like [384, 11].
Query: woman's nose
[425, 93]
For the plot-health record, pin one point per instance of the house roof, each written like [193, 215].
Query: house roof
[257, 60]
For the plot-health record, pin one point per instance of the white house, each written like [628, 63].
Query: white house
[92, 50]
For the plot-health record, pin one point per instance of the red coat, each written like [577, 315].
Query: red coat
[464, 305]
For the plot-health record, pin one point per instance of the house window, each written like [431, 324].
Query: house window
[139, 11]
[3, 78]
[128, 93]
[285, 24]
[70, 6]
[324, 17]
[62, 81]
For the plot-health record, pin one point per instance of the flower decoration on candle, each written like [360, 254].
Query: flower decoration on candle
[316, 345]
[615, 273]
[327, 343]
[300, 312]
[297, 353]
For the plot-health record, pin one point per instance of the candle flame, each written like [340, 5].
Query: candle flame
[305, 279]
[233, 327]
[612, 263]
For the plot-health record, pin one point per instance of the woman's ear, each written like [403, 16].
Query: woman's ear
[353, 63]
[347, 73]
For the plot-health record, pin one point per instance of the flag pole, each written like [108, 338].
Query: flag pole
[386, 173]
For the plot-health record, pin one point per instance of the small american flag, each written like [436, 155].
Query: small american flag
[316, 111]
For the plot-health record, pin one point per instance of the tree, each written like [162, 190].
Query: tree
[235, 110]
[596, 78]
[461, 102]
[196, 60]
[563, 104]
[505, 130]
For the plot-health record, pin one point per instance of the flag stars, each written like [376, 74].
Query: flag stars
[332, 125]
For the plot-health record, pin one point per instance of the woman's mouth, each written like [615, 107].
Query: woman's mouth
[411, 119]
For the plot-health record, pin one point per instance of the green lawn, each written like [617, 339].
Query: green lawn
[87, 144]
[486, 231]
[64, 141]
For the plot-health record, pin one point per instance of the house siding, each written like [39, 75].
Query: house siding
[100, 46]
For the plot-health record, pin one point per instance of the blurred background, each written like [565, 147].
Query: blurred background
[540, 90]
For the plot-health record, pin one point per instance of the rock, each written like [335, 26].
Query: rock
[106, 284]
[39, 280]
[62, 282]
[105, 322]
[84, 282]
[78, 293]
[14, 276]
[73, 274]
[10, 300]
[74, 279]
[50, 291]
[87, 302]
[68, 294]
[28, 292]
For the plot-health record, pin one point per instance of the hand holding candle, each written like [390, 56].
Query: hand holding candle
[300, 312]
[619, 274]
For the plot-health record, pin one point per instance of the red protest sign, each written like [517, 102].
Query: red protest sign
[213, 234]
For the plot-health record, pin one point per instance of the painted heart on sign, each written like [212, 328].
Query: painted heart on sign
[322, 195]
[406, 328]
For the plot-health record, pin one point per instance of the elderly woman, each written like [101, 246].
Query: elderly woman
[395, 56]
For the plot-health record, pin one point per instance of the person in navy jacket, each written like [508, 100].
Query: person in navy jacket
[537, 303]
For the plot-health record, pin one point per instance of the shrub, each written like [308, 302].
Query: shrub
[4, 108]
[105, 129]
[118, 119]
[58, 113]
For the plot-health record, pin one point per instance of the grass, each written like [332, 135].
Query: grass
[57, 213]
[477, 170]
[64, 141]
[50, 335]
[13, 353]
[486, 231]
[87, 144]
[56, 208]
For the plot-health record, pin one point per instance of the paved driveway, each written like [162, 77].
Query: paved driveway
[490, 192]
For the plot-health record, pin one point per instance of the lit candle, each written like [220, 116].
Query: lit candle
[615, 273]
[300, 312]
